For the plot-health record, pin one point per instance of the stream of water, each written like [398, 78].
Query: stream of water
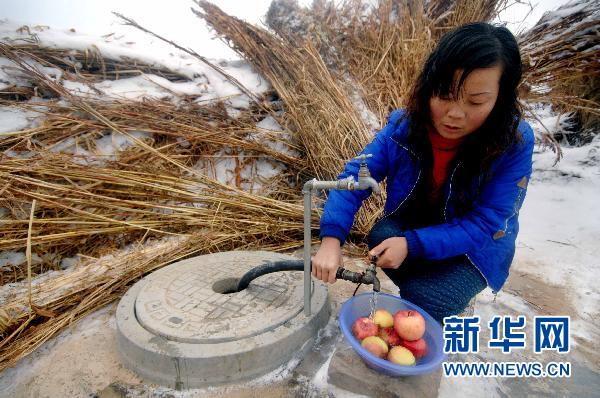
[374, 296]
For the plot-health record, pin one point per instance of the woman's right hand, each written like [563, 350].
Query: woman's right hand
[327, 260]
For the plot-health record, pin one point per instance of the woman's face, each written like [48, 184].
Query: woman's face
[455, 118]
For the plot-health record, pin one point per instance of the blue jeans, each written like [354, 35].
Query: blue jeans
[440, 287]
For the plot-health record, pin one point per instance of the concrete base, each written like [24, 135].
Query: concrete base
[348, 372]
[192, 336]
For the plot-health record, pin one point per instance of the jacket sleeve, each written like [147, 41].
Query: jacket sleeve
[499, 200]
[341, 206]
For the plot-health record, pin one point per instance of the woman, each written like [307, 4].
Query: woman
[457, 162]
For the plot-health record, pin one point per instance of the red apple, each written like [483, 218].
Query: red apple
[390, 336]
[376, 346]
[383, 318]
[401, 356]
[409, 324]
[364, 327]
[417, 347]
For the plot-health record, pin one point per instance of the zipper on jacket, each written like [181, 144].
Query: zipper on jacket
[515, 209]
[414, 185]
[407, 196]
[445, 206]
[446, 220]
[450, 190]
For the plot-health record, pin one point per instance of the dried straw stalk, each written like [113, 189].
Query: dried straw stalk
[562, 63]
[207, 125]
[318, 108]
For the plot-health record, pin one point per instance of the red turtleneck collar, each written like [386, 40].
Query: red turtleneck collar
[444, 150]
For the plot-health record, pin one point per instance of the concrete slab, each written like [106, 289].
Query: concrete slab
[348, 372]
[177, 329]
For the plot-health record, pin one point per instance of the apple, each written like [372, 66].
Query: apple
[390, 336]
[417, 347]
[409, 324]
[401, 356]
[383, 318]
[364, 327]
[375, 345]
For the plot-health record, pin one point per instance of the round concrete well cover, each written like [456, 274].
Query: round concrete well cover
[179, 303]
[182, 327]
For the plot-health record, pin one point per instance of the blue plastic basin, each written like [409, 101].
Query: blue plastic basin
[360, 306]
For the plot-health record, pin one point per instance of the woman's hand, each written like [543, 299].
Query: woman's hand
[391, 252]
[327, 260]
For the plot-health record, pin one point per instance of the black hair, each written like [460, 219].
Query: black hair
[469, 47]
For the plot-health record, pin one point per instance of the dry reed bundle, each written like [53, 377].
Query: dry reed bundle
[381, 46]
[239, 221]
[305, 85]
[203, 128]
[91, 210]
[318, 108]
[562, 65]
[129, 194]
[80, 204]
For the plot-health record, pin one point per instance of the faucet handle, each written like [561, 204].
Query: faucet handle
[364, 169]
[364, 157]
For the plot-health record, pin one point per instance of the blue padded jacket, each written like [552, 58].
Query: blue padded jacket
[486, 234]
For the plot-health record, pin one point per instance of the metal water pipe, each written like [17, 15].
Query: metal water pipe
[365, 181]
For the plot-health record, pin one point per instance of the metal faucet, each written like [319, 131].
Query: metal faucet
[365, 181]
[368, 277]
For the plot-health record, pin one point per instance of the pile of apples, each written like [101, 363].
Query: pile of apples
[398, 338]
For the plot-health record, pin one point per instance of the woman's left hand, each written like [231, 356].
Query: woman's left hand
[391, 252]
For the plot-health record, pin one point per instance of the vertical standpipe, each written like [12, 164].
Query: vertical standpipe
[365, 181]
[309, 186]
[307, 249]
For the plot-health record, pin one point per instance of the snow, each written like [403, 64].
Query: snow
[368, 117]
[9, 75]
[138, 87]
[110, 47]
[105, 148]
[16, 119]
[230, 166]
[68, 262]
[270, 126]
[566, 10]
[560, 223]
[204, 81]
[547, 121]
[12, 258]
[111, 143]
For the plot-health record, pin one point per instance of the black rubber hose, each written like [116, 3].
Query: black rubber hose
[267, 268]
[295, 265]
